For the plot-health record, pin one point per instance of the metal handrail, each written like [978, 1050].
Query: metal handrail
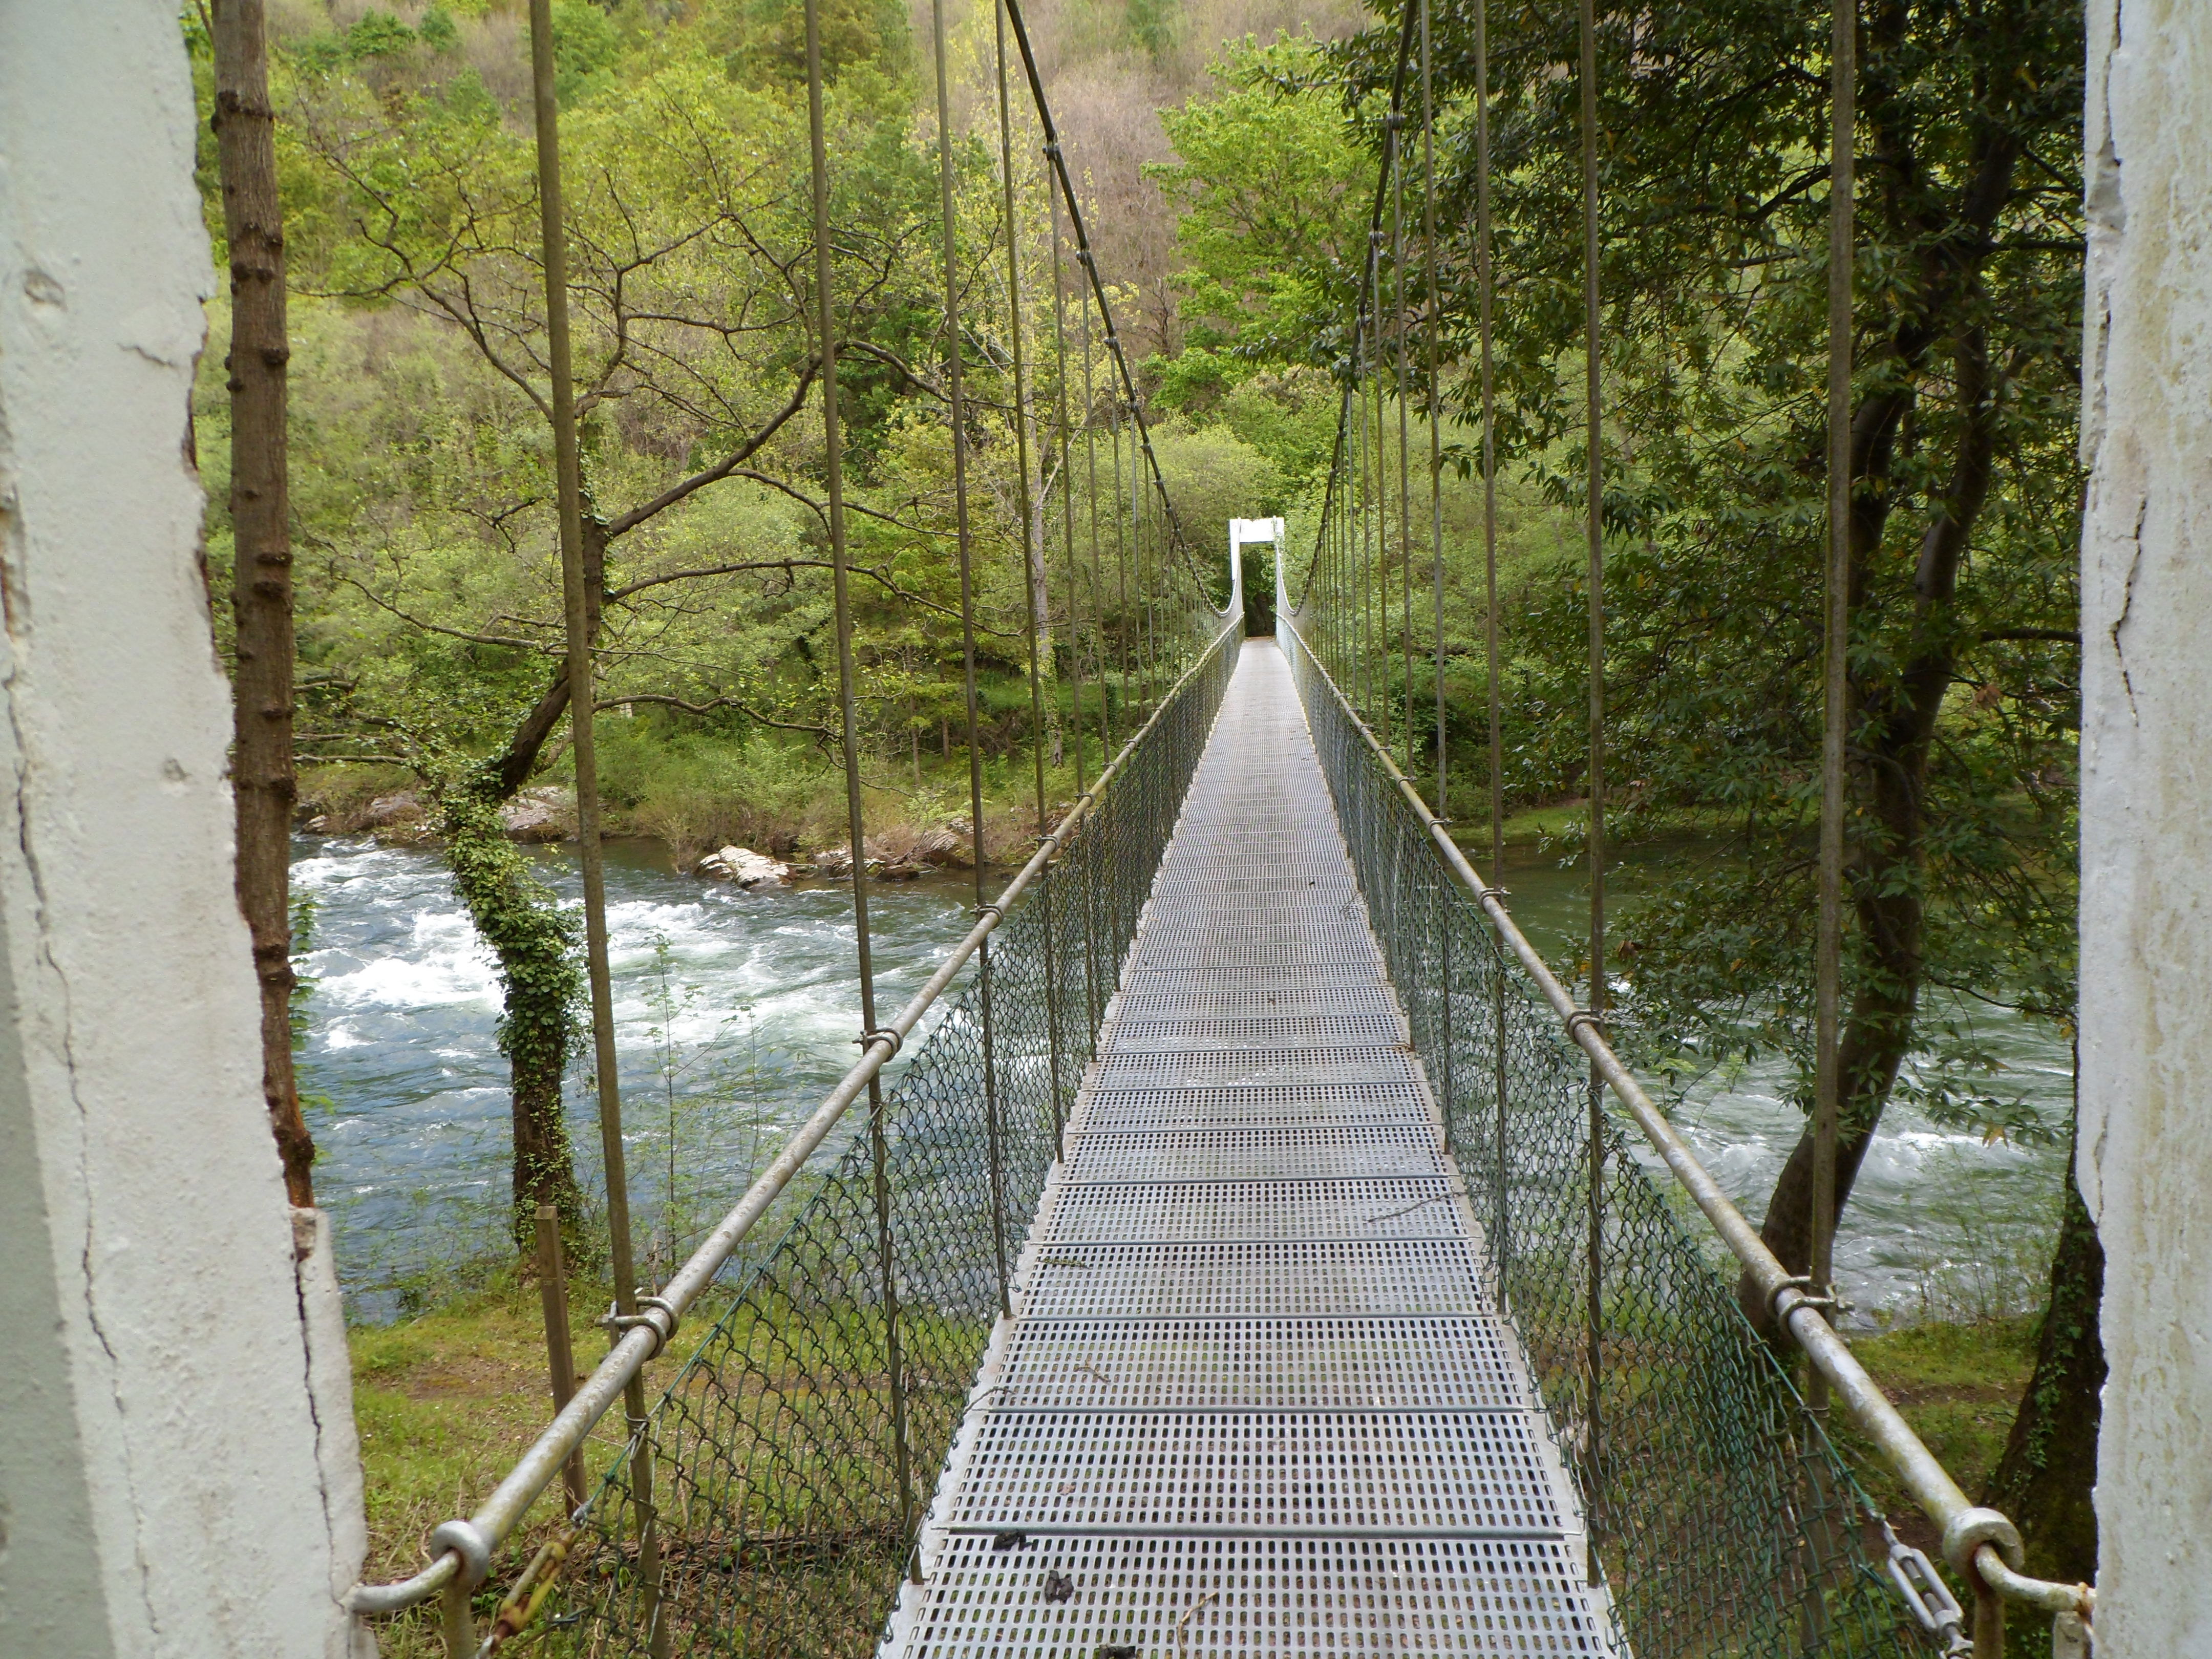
[464, 1547]
[1981, 1543]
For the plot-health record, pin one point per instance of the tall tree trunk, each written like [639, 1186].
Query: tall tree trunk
[2044, 1479]
[263, 782]
[541, 986]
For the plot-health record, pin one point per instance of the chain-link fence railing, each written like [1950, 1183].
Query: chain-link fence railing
[787, 1468]
[1724, 1519]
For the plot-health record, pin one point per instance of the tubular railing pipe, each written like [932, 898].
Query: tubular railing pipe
[467, 1546]
[1977, 1540]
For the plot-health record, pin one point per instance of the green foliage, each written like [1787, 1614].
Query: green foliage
[1272, 186]
[436, 30]
[533, 939]
[1962, 831]
[764, 41]
[1153, 23]
[1214, 476]
[585, 48]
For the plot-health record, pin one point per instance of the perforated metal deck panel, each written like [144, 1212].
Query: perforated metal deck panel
[1255, 1399]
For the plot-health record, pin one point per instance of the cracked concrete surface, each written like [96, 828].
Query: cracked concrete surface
[177, 1473]
[2146, 1158]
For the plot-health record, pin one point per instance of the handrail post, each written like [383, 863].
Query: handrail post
[560, 1355]
[457, 1626]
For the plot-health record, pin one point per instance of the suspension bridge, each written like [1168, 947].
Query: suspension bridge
[1248, 1256]
[1254, 1394]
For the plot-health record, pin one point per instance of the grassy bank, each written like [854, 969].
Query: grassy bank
[1958, 1386]
[445, 1404]
[695, 792]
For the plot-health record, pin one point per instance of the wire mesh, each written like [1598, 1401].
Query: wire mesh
[1724, 1519]
[775, 1522]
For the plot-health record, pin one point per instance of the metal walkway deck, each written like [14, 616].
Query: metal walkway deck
[1256, 1399]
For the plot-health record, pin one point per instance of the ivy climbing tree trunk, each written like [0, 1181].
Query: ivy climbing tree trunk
[263, 780]
[541, 984]
[2044, 1479]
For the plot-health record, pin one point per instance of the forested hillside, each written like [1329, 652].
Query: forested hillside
[429, 591]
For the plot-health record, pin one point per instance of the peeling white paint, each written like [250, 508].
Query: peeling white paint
[2145, 1156]
[163, 1486]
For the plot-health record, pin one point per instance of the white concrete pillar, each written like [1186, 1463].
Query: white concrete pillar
[178, 1470]
[2146, 1158]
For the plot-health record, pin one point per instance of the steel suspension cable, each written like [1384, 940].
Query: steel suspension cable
[1030, 555]
[1120, 545]
[1827, 995]
[957, 410]
[1090, 467]
[1435, 409]
[1122, 529]
[1485, 277]
[1177, 542]
[1148, 642]
[1067, 488]
[1593, 509]
[855, 816]
[1364, 495]
[1091, 998]
[580, 608]
[1405, 441]
[1378, 525]
[1433, 314]
[1035, 624]
[1343, 540]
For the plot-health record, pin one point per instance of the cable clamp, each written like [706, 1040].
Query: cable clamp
[1796, 1291]
[1083, 257]
[992, 909]
[1053, 149]
[659, 1316]
[884, 1034]
[1928, 1597]
[1395, 120]
[1584, 1017]
[1501, 894]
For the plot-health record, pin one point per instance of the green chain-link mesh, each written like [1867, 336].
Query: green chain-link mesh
[781, 1524]
[1725, 1521]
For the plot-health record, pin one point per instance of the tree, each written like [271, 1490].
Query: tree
[263, 779]
[1961, 835]
[1965, 485]
[704, 533]
[2047, 1474]
[1272, 186]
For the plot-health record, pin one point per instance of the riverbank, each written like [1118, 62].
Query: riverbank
[447, 1402]
[692, 793]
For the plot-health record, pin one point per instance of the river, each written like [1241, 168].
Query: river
[735, 1013]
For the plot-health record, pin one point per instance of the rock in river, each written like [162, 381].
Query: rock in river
[745, 867]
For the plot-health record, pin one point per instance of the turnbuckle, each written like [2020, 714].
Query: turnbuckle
[1929, 1598]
